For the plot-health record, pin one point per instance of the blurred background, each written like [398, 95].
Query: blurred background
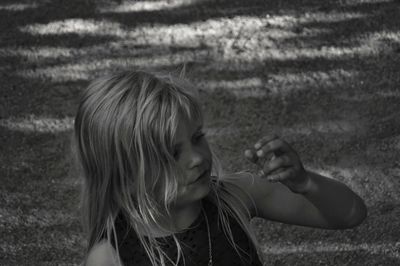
[324, 75]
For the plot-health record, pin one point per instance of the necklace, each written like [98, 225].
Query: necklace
[209, 240]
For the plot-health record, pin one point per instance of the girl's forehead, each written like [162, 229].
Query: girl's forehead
[190, 124]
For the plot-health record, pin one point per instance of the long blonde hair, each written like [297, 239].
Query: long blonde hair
[125, 127]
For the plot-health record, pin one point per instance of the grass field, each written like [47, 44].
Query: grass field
[324, 75]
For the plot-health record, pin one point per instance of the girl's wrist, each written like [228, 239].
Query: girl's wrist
[305, 186]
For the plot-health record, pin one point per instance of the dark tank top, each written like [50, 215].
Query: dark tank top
[194, 242]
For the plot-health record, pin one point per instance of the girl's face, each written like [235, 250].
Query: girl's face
[193, 156]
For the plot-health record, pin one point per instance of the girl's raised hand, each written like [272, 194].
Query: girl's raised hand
[279, 162]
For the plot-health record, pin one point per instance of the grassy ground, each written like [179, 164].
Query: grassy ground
[323, 74]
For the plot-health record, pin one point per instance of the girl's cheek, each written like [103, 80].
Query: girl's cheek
[209, 154]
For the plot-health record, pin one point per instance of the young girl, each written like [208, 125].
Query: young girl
[154, 192]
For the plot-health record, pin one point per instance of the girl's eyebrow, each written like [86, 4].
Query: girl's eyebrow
[199, 128]
[179, 144]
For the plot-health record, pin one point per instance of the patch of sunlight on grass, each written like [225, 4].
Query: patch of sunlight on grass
[257, 54]
[382, 40]
[75, 25]
[113, 48]
[236, 29]
[254, 53]
[329, 127]
[388, 249]
[243, 37]
[17, 7]
[242, 88]
[90, 69]
[36, 124]
[287, 82]
[62, 73]
[388, 94]
[362, 2]
[281, 84]
[148, 34]
[51, 263]
[336, 127]
[34, 53]
[287, 21]
[204, 31]
[329, 52]
[135, 6]
[327, 17]
[367, 97]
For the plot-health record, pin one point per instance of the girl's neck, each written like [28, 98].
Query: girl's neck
[183, 218]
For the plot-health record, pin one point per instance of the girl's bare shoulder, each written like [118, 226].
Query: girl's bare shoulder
[102, 254]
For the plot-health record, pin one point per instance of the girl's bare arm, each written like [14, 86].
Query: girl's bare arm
[326, 203]
[284, 191]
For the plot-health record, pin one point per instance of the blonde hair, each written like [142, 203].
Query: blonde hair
[125, 128]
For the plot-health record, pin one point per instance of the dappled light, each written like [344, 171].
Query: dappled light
[251, 87]
[242, 27]
[77, 26]
[286, 83]
[311, 17]
[323, 75]
[38, 53]
[132, 6]
[18, 7]
[91, 69]
[37, 124]
[324, 52]
[328, 127]
[361, 2]
[246, 40]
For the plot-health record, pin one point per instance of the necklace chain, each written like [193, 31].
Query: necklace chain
[209, 241]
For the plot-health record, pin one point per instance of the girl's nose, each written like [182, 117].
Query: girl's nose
[196, 159]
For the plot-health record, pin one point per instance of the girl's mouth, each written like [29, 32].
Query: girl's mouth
[200, 178]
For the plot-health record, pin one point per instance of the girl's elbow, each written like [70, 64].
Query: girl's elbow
[354, 219]
[357, 217]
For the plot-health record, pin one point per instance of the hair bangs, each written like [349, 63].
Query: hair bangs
[176, 103]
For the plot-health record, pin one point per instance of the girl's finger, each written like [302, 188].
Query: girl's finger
[264, 140]
[283, 161]
[276, 146]
[251, 155]
[281, 176]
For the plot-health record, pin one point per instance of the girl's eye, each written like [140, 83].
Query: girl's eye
[200, 136]
[196, 140]
[176, 154]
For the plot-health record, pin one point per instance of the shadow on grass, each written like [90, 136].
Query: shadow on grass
[33, 160]
[202, 10]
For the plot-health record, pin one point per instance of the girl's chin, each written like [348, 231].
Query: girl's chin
[194, 193]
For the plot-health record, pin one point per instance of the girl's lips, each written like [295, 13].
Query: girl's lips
[204, 174]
